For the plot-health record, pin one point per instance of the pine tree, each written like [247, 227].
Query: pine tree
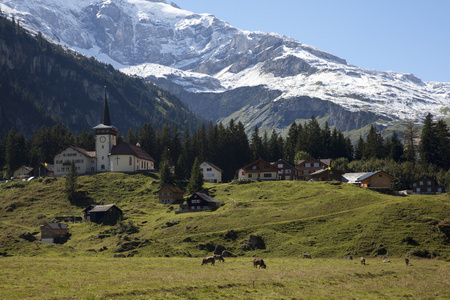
[291, 143]
[15, 152]
[443, 145]
[409, 137]
[359, 149]
[196, 179]
[71, 182]
[395, 147]
[256, 144]
[165, 174]
[428, 142]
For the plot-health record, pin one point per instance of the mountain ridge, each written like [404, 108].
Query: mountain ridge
[203, 54]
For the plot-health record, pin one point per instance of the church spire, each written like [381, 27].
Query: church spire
[106, 119]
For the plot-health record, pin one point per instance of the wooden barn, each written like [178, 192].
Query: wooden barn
[106, 214]
[199, 202]
[53, 232]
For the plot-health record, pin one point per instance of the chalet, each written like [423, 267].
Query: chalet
[22, 172]
[376, 179]
[258, 170]
[200, 201]
[43, 170]
[427, 185]
[53, 232]
[211, 173]
[328, 174]
[107, 214]
[170, 194]
[311, 165]
[286, 171]
[84, 161]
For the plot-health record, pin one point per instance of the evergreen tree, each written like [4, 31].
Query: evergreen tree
[71, 181]
[196, 179]
[147, 139]
[165, 174]
[85, 140]
[181, 168]
[275, 147]
[256, 144]
[409, 137]
[428, 142]
[395, 147]
[374, 146]
[443, 145]
[15, 152]
[291, 143]
[314, 141]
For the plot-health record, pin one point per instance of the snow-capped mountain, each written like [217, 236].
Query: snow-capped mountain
[222, 72]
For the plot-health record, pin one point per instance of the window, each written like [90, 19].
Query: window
[131, 161]
[254, 168]
[308, 165]
[249, 175]
[306, 172]
[288, 171]
[421, 183]
[266, 167]
[280, 166]
[266, 175]
[316, 164]
[209, 169]
[418, 190]
[414, 184]
[428, 189]
[429, 182]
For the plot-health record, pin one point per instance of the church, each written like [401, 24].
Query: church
[108, 155]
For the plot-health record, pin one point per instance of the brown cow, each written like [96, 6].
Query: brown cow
[406, 261]
[363, 260]
[219, 257]
[259, 262]
[209, 259]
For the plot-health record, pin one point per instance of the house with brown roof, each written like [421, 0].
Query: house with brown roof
[199, 202]
[170, 194]
[53, 232]
[376, 179]
[427, 185]
[258, 170]
[107, 214]
[311, 165]
[211, 173]
[43, 170]
[84, 161]
[328, 174]
[22, 172]
[286, 171]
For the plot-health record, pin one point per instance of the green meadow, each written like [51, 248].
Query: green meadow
[164, 250]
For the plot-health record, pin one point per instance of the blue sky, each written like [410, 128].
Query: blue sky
[386, 35]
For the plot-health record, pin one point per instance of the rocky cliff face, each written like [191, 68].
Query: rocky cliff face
[204, 60]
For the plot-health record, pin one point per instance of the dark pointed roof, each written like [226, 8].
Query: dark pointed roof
[106, 119]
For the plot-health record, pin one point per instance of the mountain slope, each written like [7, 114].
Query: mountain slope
[43, 84]
[201, 57]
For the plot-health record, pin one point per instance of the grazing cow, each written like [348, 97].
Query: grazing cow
[406, 261]
[386, 261]
[259, 262]
[308, 256]
[219, 257]
[363, 260]
[349, 257]
[209, 259]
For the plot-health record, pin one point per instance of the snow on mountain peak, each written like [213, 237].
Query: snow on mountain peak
[202, 53]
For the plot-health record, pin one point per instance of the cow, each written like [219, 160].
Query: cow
[406, 261]
[386, 261]
[363, 260]
[209, 259]
[219, 257]
[259, 262]
[308, 256]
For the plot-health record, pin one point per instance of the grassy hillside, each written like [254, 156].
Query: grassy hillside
[324, 220]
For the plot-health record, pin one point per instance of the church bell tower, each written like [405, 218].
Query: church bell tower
[106, 136]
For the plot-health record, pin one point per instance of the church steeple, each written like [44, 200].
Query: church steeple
[106, 119]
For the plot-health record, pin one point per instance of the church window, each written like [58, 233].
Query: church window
[131, 161]
[103, 146]
[103, 157]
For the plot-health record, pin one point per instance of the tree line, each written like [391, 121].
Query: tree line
[230, 148]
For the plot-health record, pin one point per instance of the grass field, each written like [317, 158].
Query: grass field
[185, 278]
[328, 221]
